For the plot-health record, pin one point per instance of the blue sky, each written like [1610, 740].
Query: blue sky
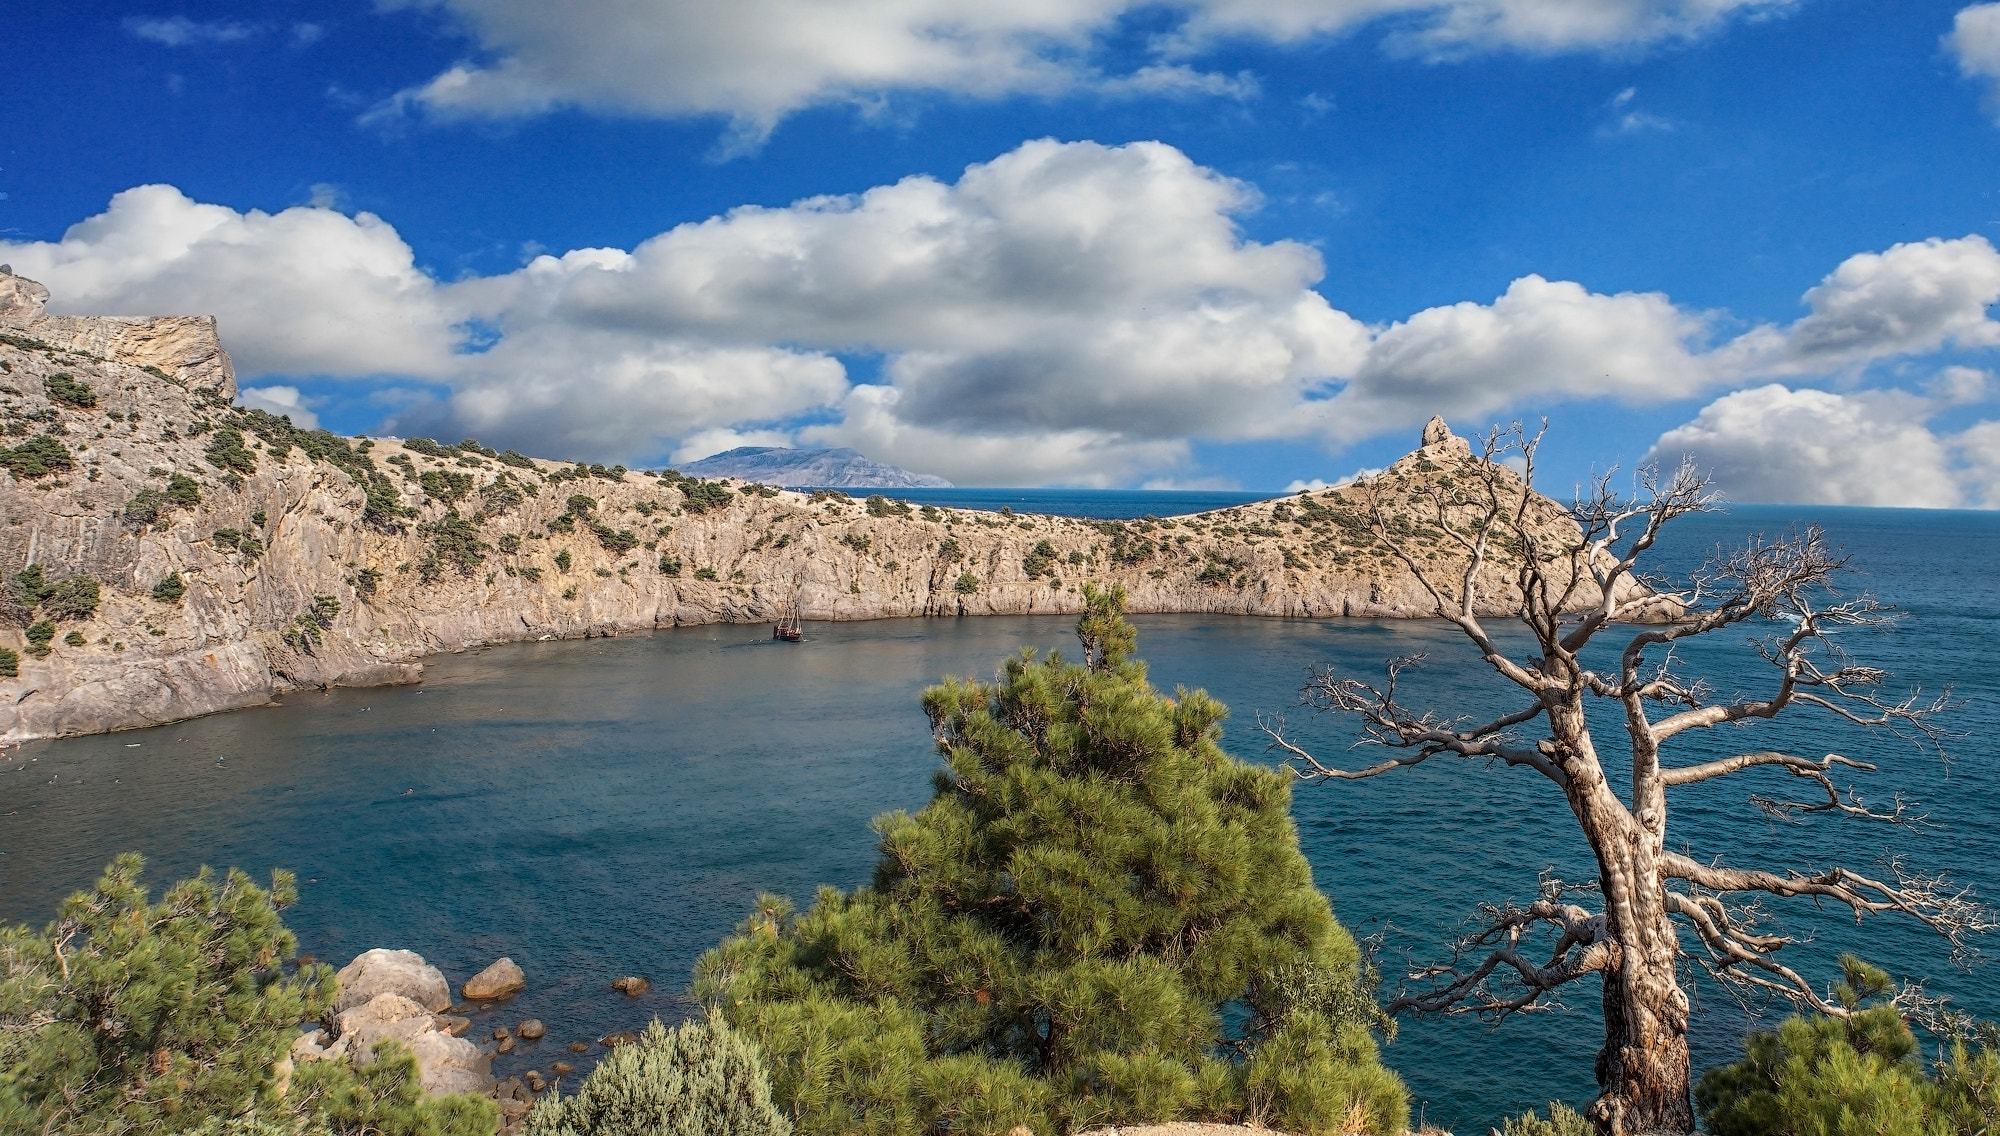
[1218, 242]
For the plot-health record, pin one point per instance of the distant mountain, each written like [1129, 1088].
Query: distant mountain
[842, 468]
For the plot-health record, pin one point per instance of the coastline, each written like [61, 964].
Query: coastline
[297, 560]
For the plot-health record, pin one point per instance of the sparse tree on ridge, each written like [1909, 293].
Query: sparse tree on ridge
[1654, 907]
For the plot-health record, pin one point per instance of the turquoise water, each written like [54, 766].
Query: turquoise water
[604, 807]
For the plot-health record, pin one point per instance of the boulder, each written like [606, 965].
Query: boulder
[531, 1030]
[453, 1024]
[563, 1068]
[383, 971]
[312, 1045]
[385, 1016]
[506, 1045]
[622, 1037]
[631, 986]
[512, 1110]
[500, 980]
[448, 1064]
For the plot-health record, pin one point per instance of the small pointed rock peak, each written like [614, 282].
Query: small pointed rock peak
[1436, 433]
[21, 299]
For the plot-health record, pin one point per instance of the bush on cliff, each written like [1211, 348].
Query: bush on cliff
[700, 1079]
[1101, 917]
[127, 1016]
[1861, 1073]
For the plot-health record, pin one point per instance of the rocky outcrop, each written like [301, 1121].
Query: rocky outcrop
[236, 558]
[382, 972]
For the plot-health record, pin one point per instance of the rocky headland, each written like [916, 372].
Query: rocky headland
[167, 554]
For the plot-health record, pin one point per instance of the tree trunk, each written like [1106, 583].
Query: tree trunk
[1642, 1071]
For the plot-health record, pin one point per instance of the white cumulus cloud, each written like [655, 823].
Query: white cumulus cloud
[280, 399]
[754, 61]
[1974, 40]
[304, 291]
[1064, 313]
[1775, 443]
[180, 31]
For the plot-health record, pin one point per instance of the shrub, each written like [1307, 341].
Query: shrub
[428, 448]
[31, 585]
[445, 485]
[226, 538]
[39, 456]
[72, 599]
[1040, 560]
[145, 507]
[967, 584]
[859, 542]
[226, 451]
[580, 504]
[700, 1079]
[880, 506]
[517, 460]
[615, 541]
[40, 635]
[510, 542]
[1563, 1121]
[75, 639]
[670, 566]
[384, 504]
[170, 589]
[563, 560]
[949, 552]
[705, 574]
[64, 389]
[1214, 573]
[1862, 1073]
[455, 543]
[1100, 918]
[10, 663]
[702, 496]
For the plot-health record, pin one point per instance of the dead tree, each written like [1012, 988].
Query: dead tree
[1654, 907]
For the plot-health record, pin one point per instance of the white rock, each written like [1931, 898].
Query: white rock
[383, 971]
[452, 1065]
[389, 1016]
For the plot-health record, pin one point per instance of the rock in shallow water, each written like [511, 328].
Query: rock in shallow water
[531, 1030]
[502, 979]
[631, 986]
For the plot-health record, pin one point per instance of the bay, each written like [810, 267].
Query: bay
[610, 806]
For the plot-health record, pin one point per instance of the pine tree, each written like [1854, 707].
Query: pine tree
[1100, 917]
[129, 1016]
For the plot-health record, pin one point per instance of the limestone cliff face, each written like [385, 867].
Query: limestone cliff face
[290, 578]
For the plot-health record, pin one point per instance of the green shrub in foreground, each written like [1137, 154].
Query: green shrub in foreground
[1829, 1076]
[700, 1079]
[1563, 1121]
[127, 1016]
[1053, 940]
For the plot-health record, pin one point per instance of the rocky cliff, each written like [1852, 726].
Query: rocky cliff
[166, 554]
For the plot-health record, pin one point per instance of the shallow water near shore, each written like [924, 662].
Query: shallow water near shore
[612, 806]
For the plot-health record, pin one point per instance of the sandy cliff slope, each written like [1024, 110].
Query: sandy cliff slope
[310, 560]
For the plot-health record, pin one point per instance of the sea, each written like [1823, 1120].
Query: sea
[605, 807]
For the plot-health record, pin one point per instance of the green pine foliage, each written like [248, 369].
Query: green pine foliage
[10, 663]
[39, 456]
[171, 588]
[1862, 1073]
[64, 388]
[699, 1079]
[703, 496]
[127, 1016]
[227, 451]
[1101, 917]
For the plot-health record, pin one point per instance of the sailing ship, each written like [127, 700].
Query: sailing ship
[787, 627]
